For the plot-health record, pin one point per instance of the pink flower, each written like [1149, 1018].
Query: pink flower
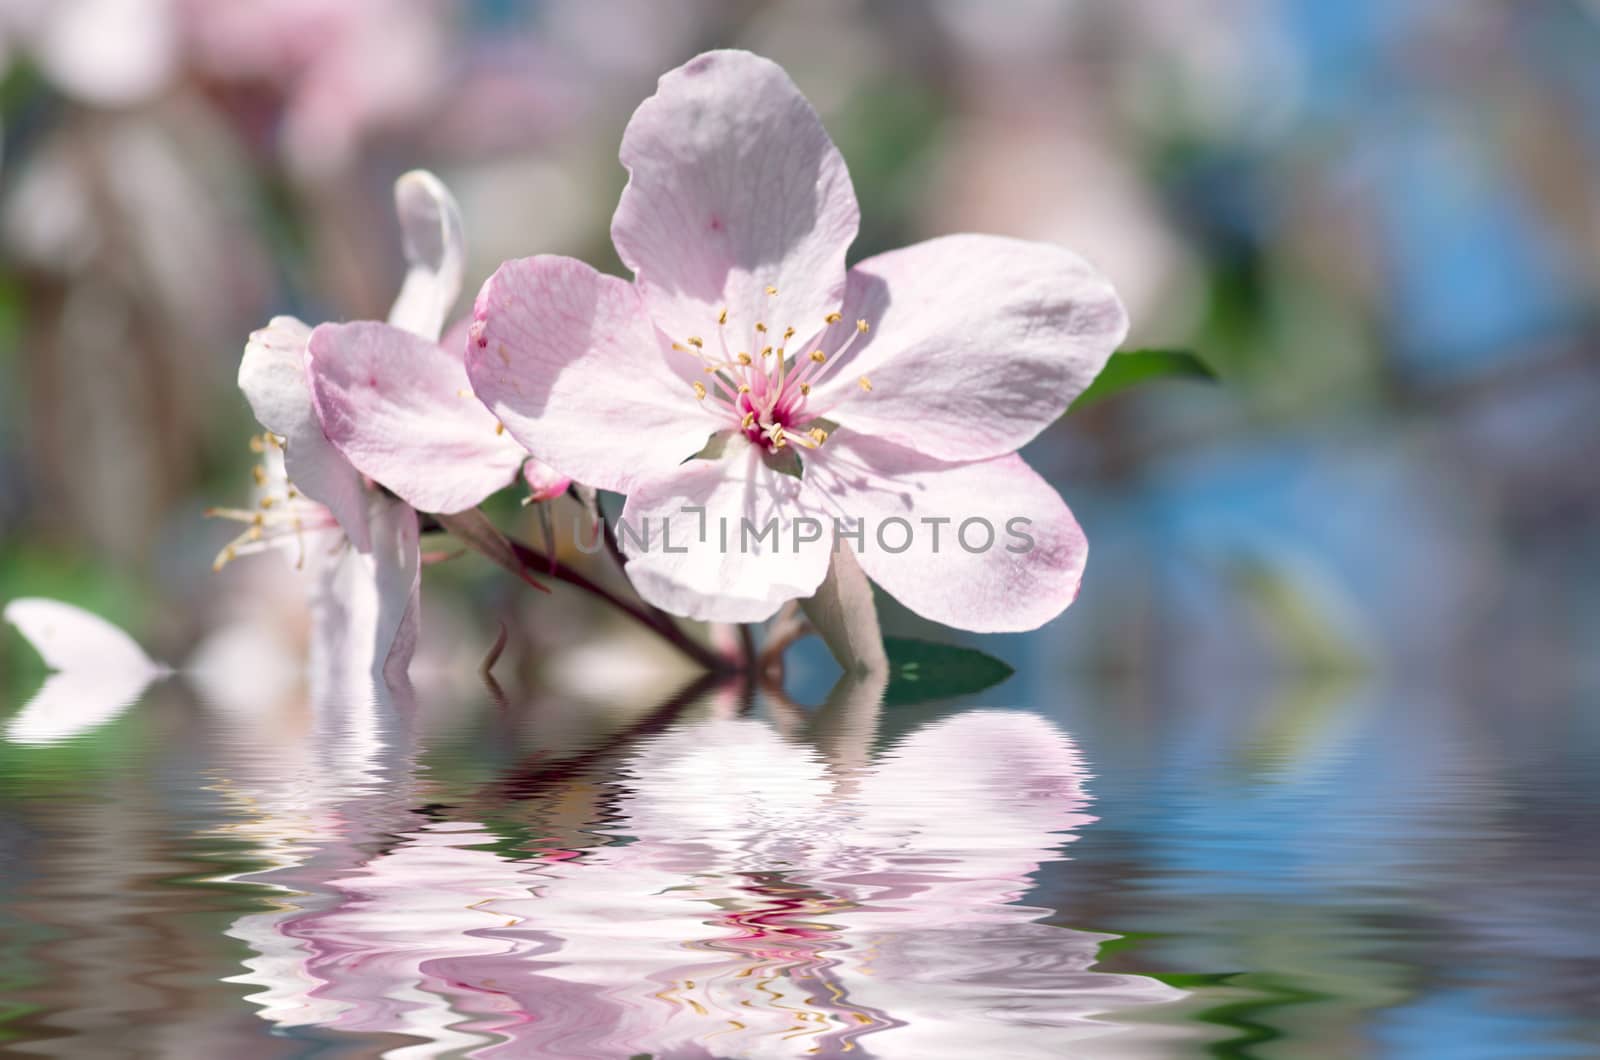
[438, 449]
[897, 390]
[392, 399]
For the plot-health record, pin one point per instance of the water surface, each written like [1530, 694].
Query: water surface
[1313, 872]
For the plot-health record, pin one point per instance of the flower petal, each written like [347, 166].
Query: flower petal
[70, 638]
[101, 671]
[545, 483]
[733, 187]
[397, 575]
[401, 410]
[566, 359]
[963, 571]
[977, 343]
[690, 552]
[273, 378]
[75, 701]
[365, 605]
[435, 247]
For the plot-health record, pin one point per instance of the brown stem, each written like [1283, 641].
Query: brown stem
[621, 561]
[747, 647]
[658, 622]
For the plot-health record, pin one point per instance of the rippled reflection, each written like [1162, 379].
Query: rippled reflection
[720, 886]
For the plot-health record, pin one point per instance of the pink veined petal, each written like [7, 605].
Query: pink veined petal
[1027, 575]
[977, 343]
[401, 410]
[723, 564]
[434, 241]
[566, 359]
[273, 378]
[733, 187]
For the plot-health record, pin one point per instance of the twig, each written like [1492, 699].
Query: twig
[657, 621]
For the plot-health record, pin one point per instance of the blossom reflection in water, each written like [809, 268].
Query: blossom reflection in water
[739, 887]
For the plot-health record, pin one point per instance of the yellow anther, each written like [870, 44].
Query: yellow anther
[761, 327]
[834, 318]
[722, 317]
[256, 444]
[267, 502]
[292, 493]
[861, 326]
[788, 333]
[766, 351]
[709, 369]
[772, 290]
[258, 520]
[805, 389]
[818, 435]
[259, 473]
[744, 358]
[744, 388]
[700, 391]
[779, 441]
[748, 421]
[499, 428]
[679, 347]
[254, 533]
[818, 356]
[695, 341]
[865, 383]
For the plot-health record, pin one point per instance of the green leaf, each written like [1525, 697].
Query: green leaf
[1130, 368]
[920, 671]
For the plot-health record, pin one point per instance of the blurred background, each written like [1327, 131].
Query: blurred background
[1339, 617]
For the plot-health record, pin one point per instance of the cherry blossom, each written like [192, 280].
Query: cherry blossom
[817, 397]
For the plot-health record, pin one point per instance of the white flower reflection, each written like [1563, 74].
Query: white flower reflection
[751, 895]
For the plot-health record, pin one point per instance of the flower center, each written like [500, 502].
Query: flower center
[281, 511]
[760, 388]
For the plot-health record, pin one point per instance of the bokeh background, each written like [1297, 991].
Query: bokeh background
[1333, 663]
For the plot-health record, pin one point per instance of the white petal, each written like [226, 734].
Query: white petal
[102, 670]
[435, 247]
[739, 570]
[274, 380]
[74, 702]
[70, 638]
